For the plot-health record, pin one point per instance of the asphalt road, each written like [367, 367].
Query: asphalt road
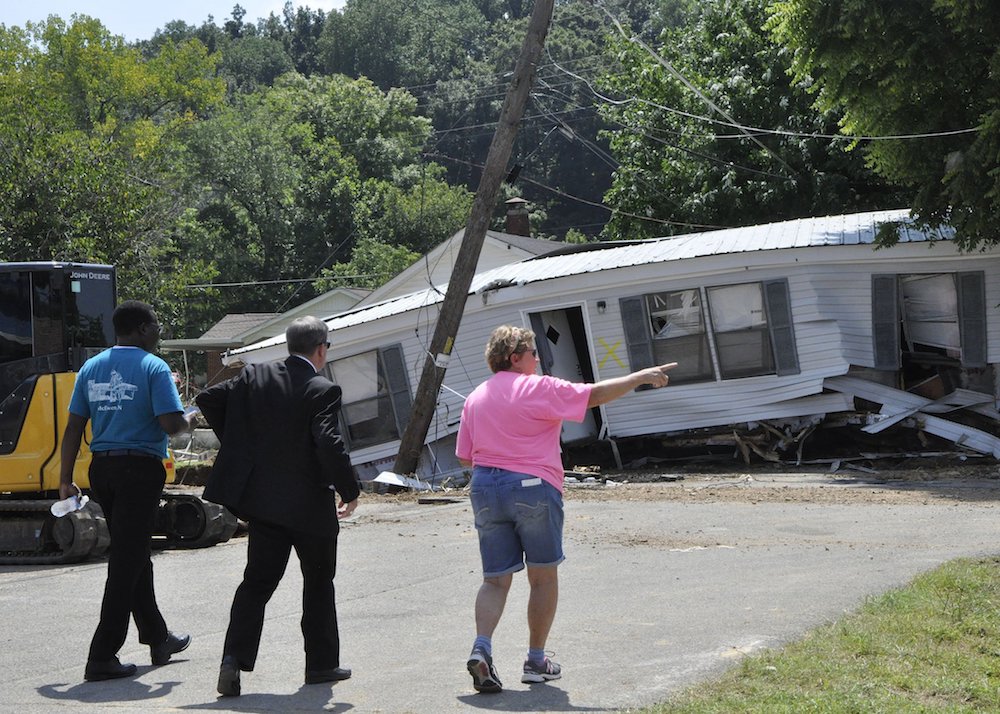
[656, 596]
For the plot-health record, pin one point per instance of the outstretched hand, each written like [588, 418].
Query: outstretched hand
[657, 376]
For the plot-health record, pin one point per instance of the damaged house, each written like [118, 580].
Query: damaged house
[777, 329]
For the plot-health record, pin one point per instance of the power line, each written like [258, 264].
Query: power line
[559, 192]
[250, 283]
[687, 150]
[744, 128]
[683, 80]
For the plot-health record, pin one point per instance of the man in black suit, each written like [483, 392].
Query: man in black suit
[281, 458]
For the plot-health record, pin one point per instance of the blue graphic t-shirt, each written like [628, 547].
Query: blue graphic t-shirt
[122, 391]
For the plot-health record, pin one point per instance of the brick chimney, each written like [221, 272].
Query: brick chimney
[517, 217]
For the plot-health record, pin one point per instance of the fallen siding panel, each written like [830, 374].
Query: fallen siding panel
[898, 405]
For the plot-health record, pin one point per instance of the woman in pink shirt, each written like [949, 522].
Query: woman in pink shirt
[510, 435]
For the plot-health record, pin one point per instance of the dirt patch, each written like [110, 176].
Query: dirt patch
[911, 480]
[904, 480]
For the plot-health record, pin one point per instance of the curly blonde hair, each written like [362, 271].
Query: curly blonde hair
[505, 341]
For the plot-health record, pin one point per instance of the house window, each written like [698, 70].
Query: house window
[739, 323]
[751, 328]
[931, 317]
[930, 313]
[376, 396]
[679, 335]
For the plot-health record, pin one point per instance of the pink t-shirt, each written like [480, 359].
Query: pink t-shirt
[512, 421]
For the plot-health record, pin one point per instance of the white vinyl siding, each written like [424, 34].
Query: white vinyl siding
[829, 289]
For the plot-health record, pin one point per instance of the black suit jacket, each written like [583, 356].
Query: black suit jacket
[281, 449]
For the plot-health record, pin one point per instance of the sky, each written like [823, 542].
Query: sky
[138, 20]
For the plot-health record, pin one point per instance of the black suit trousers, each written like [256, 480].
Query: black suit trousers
[267, 556]
[128, 488]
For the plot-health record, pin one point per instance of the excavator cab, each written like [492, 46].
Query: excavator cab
[53, 317]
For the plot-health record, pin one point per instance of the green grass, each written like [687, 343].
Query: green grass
[933, 646]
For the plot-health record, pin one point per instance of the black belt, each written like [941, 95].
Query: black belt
[125, 452]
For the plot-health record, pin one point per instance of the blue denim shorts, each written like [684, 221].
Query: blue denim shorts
[519, 519]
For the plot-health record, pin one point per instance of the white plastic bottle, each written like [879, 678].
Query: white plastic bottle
[68, 505]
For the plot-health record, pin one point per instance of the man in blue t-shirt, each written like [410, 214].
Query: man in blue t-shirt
[129, 396]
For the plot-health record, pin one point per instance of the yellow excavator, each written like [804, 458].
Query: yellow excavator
[53, 316]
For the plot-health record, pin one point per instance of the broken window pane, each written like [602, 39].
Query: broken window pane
[678, 326]
[366, 406]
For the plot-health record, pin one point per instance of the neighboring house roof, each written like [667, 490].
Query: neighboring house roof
[228, 333]
[241, 329]
[333, 302]
[435, 267]
[852, 229]
[233, 326]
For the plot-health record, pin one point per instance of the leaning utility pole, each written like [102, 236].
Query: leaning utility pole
[475, 231]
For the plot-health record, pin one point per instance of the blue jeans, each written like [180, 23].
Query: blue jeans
[519, 519]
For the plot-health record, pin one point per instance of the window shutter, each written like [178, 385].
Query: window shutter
[972, 317]
[885, 322]
[638, 337]
[398, 383]
[779, 324]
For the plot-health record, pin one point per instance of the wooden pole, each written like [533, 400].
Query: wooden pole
[443, 341]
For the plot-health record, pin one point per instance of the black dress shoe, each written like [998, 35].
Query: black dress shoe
[160, 654]
[110, 669]
[229, 677]
[316, 676]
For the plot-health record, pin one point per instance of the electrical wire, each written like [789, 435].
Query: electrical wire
[730, 122]
[613, 211]
[250, 283]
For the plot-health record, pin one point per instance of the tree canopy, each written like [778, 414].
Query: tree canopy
[86, 136]
[307, 149]
[711, 131]
[925, 69]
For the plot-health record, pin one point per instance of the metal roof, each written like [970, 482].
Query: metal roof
[851, 229]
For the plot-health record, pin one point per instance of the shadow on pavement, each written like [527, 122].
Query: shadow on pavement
[545, 698]
[307, 698]
[119, 690]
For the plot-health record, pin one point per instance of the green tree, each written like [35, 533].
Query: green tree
[88, 128]
[380, 131]
[688, 164]
[247, 174]
[915, 68]
[403, 43]
[372, 264]
[254, 62]
[290, 179]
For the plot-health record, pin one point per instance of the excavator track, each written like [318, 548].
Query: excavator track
[33, 536]
[186, 521]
